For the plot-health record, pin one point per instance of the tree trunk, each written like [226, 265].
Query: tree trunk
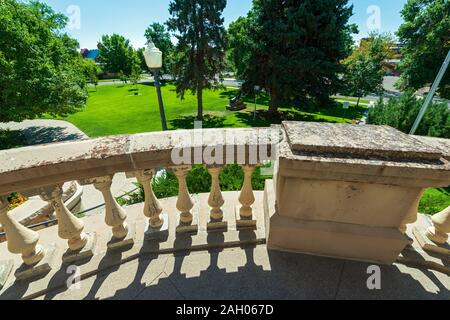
[273, 104]
[200, 102]
[357, 104]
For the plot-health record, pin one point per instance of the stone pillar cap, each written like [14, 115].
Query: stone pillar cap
[379, 142]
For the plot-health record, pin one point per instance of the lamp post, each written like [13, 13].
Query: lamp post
[153, 59]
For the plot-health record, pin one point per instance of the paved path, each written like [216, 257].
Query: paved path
[46, 131]
[49, 131]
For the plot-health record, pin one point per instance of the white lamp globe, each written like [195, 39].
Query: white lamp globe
[153, 56]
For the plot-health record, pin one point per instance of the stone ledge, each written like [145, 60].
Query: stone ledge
[357, 141]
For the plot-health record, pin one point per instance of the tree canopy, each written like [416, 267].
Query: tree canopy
[239, 44]
[200, 51]
[297, 47]
[116, 54]
[40, 70]
[425, 35]
[364, 68]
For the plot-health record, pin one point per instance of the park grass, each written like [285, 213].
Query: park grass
[115, 109]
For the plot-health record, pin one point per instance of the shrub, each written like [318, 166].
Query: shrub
[401, 113]
[199, 181]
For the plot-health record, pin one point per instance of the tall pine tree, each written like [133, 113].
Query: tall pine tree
[199, 59]
[297, 47]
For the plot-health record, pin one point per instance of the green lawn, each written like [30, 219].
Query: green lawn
[115, 109]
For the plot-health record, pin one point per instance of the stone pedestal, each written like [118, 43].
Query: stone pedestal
[128, 241]
[42, 268]
[347, 191]
[84, 254]
[243, 223]
[217, 225]
[420, 233]
[158, 234]
[5, 271]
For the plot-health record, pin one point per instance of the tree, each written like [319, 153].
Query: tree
[40, 70]
[364, 68]
[91, 71]
[116, 54]
[297, 47]
[239, 44]
[141, 59]
[158, 34]
[136, 74]
[426, 38]
[401, 113]
[199, 60]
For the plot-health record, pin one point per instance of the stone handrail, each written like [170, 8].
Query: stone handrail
[42, 170]
[311, 158]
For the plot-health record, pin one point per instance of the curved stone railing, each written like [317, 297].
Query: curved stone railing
[333, 184]
[42, 170]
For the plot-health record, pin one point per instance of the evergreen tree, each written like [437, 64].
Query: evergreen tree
[199, 59]
[297, 47]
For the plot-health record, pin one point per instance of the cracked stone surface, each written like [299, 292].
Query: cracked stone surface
[362, 141]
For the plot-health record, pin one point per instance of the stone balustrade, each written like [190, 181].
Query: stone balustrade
[342, 191]
[42, 170]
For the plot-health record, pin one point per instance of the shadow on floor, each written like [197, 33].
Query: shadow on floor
[252, 273]
[247, 273]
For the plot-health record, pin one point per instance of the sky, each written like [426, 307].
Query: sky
[90, 19]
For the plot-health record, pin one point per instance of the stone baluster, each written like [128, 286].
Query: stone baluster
[69, 226]
[115, 215]
[21, 240]
[215, 199]
[440, 230]
[247, 198]
[184, 202]
[152, 206]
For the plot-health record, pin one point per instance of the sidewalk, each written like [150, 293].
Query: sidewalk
[50, 131]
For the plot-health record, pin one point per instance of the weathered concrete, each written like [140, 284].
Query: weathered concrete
[5, 270]
[356, 141]
[254, 273]
[33, 167]
[339, 193]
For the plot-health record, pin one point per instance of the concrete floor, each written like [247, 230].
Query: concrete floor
[257, 274]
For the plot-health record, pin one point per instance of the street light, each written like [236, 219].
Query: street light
[153, 59]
